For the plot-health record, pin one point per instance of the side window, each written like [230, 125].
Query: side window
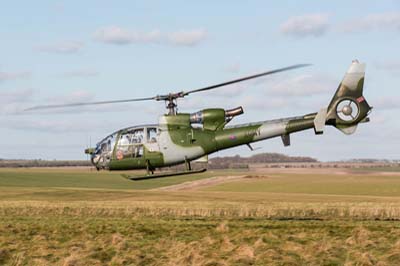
[124, 144]
[139, 151]
[151, 135]
[130, 144]
[137, 136]
[111, 142]
[103, 147]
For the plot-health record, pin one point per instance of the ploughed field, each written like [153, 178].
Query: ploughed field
[258, 217]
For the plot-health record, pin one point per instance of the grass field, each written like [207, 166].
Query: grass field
[349, 184]
[74, 217]
[89, 178]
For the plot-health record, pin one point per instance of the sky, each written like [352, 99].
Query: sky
[55, 52]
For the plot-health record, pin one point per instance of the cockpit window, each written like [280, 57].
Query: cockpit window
[151, 134]
[130, 144]
[138, 135]
[139, 151]
[124, 143]
[103, 153]
[127, 143]
[106, 146]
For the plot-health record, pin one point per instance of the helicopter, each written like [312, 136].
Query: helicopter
[181, 138]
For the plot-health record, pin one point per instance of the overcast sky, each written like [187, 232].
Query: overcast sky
[66, 51]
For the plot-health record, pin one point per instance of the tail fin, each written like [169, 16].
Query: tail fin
[348, 106]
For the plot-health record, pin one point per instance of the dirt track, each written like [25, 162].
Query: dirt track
[193, 185]
[263, 172]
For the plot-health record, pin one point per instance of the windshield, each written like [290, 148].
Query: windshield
[103, 153]
[106, 145]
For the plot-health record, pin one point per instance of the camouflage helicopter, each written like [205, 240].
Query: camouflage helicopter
[180, 138]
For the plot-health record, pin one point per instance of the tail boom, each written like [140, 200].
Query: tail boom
[346, 110]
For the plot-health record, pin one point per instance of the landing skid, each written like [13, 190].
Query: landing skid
[160, 175]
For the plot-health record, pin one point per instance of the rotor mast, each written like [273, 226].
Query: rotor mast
[171, 101]
[172, 105]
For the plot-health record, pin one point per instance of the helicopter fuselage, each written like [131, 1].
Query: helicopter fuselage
[176, 139]
[182, 137]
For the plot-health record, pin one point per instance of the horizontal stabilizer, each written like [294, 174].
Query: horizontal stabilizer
[319, 121]
[348, 130]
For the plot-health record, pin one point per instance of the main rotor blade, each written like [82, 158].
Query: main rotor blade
[247, 78]
[41, 107]
[168, 97]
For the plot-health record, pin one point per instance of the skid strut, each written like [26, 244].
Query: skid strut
[150, 172]
[153, 176]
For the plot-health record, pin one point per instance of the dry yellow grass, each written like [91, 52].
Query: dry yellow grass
[282, 224]
[90, 240]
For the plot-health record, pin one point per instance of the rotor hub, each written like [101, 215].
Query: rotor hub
[347, 110]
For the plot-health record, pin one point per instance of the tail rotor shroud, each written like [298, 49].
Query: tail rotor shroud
[347, 110]
[348, 106]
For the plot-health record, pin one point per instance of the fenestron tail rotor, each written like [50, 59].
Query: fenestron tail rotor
[347, 110]
[170, 99]
[348, 106]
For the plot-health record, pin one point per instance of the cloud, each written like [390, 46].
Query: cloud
[59, 7]
[287, 92]
[263, 103]
[47, 125]
[14, 75]
[83, 73]
[41, 125]
[314, 25]
[120, 36]
[229, 91]
[85, 96]
[56, 125]
[74, 96]
[249, 98]
[382, 21]
[13, 101]
[233, 68]
[387, 103]
[187, 37]
[11, 96]
[69, 47]
[302, 85]
[390, 65]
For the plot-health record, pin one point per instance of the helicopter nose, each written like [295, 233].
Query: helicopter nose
[94, 158]
[96, 161]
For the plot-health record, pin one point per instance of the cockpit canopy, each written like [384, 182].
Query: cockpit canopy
[107, 144]
[126, 142]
